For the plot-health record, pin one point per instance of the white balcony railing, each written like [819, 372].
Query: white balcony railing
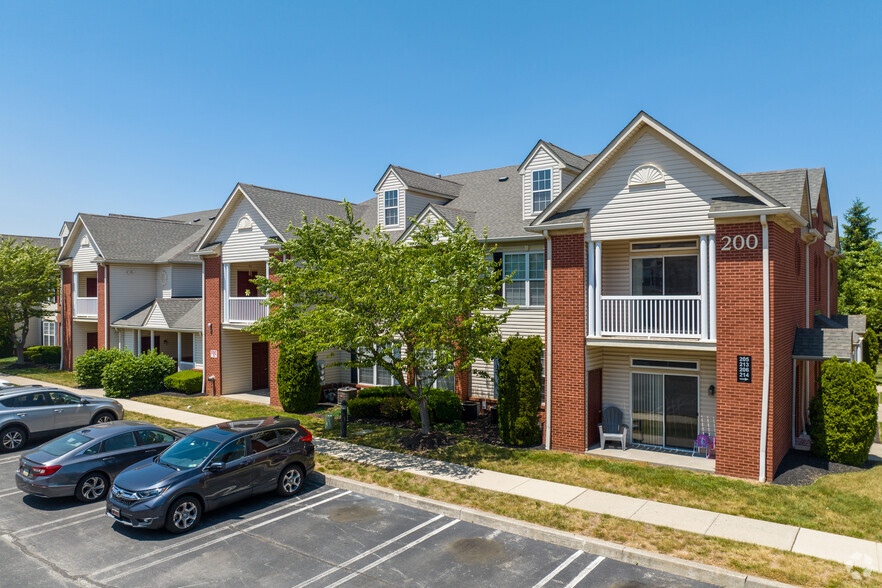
[651, 316]
[246, 309]
[186, 365]
[87, 306]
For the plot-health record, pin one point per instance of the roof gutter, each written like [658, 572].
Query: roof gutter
[769, 210]
[548, 332]
[555, 227]
[764, 419]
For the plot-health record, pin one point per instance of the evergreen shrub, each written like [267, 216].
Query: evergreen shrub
[49, 354]
[186, 381]
[130, 375]
[871, 349]
[519, 387]
[299, 380]
[89, 367]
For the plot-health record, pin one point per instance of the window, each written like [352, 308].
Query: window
[231, 452]
[63, 445]
[48, 333]
[662, 363]
[264, 440]
[64, 398]
[377, 376]
[120, 442]
[527, 286]
[390, 205]
[541, 189]
[664, 276]
[664, 245]
[153, 436]
[286, 435]
[29, 400]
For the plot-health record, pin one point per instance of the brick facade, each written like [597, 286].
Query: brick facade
[568, 342]
[103, 319]
[67, 318]
[213, 301]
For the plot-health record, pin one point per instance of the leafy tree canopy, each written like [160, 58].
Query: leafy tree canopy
[860, 269]
[413, 309]
[28, 279]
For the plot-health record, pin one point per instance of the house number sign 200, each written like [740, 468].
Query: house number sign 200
[739, 242]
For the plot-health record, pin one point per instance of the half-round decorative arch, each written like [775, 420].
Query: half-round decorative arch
[245, 223]
[646, 175]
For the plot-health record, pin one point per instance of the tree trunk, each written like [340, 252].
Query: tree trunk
[424, 414]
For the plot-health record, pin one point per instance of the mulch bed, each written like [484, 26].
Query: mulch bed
[802, 468]
[416, 441]
[479, 430]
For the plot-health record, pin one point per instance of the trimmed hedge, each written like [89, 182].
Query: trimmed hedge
[130, 375]
[89, 367]
[50, 354]
[300, 382]
[444, 407]
[843, 412]
[392, 402]
[382, 392]
[186, 381]
[871, 349]
[520, 387]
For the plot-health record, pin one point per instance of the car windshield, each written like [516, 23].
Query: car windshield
[188, 453]
[65, 444]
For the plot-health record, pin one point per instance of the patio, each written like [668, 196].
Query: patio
[662, 457]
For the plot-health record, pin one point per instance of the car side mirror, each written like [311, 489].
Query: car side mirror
[84, 401]
[215, 467]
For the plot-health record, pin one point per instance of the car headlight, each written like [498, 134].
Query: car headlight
[149, 493]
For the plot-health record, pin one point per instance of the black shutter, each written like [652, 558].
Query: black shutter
[497, 264]
[353, 372]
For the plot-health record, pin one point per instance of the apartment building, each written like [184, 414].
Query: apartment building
[692, 298]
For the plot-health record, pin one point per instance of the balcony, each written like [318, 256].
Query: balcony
[86, 306]
[246, 309]
[651, 316]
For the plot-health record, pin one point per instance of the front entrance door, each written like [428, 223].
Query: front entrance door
[664, 409]
[259, 365]
[145, 343]
[91, 341]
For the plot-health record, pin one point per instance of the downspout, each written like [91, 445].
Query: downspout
[807, 287]
[106, 306]
[548, 309]
[59, 330]
[764, 420]
[203, 327]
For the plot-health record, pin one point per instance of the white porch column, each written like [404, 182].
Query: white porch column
[179, 350]
[138, 342]
[225, 286]
[702, 287]
[828, 286]
[152, 340]
[712, 287]
[76, 291]
[592, 303]
[598, 290]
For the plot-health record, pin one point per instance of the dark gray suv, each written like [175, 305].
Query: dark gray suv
[210, 468]
[37, 411]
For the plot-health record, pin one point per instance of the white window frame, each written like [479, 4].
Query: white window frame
[660, 372]
[387, 208]
[534, 191]
[52, 336]
[663, 245]
[665, 367]
[663, 256]
[528, 302]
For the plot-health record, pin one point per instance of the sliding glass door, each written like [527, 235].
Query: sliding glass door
[664, 409]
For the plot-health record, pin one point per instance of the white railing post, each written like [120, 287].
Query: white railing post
[225, 287]
[76, 291]
[712, 287]
[598, 288]
[703, 316]
[592, 301]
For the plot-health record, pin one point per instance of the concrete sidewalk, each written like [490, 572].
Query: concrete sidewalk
[838, 548]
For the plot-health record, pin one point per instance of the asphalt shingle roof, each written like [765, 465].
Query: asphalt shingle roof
[569, 158]
[48, 242]
[137, 239]
[822, 343]
[179, 314]
[815, 178]
[282, 208]
[201, 217]
[785, 186]
[427, 183]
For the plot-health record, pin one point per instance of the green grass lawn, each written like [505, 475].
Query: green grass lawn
[53, 376]
[847, 504]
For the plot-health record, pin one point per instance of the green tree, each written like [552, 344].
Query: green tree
[28, 280]
[520, 390]
[860, 269]
[299, 380]
[413, 309]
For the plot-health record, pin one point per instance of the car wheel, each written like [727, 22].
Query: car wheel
[290, 481]
[103, 417]
[12, 438]
[92, 487]
[184, 514]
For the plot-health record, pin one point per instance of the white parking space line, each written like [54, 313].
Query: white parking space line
[56, 521]
[389, 556]
[8, 489]
[9, 493]
[558, 569]
[9, 459]
[588, 569]
[54, 528]
[348, 562]
[224, 538]
[199, 536]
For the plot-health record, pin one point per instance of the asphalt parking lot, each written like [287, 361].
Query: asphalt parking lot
[326, 536]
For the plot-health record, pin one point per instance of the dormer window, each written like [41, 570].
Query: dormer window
[541, 189]
[390, 205]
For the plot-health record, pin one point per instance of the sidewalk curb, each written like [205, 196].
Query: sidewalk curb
[639, 557]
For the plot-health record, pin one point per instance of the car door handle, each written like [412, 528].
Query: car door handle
[106, 458]
[21, 415]
[58, 410]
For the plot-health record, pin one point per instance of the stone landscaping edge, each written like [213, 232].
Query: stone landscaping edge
[639, 557]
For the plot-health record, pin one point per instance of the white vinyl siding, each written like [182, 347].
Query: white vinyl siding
[335, 374]
[187, 281]
[565, 180]
[616, 265]
[83, 254]
[236, 361]
[541, 160]
[617, 371]
[156, 320]
[391, 183]
[197, 349]
[78, 337]
[164, 272]
[245, 244]
[127, 340]
[416, 203]
[679, 206]
[131, 287]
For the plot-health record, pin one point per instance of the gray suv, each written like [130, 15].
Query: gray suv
[37, 411]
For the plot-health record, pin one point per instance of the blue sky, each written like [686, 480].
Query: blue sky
[156, 108]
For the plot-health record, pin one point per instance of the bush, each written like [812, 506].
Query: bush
[395, 407]
[843, 412]
[444, 407]
[130, 375]
[89, 367]
[360, 408]
[299, 380]
[382, 392]
[871, 349]
[50, 354]
[186, 381]
[520, 385]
